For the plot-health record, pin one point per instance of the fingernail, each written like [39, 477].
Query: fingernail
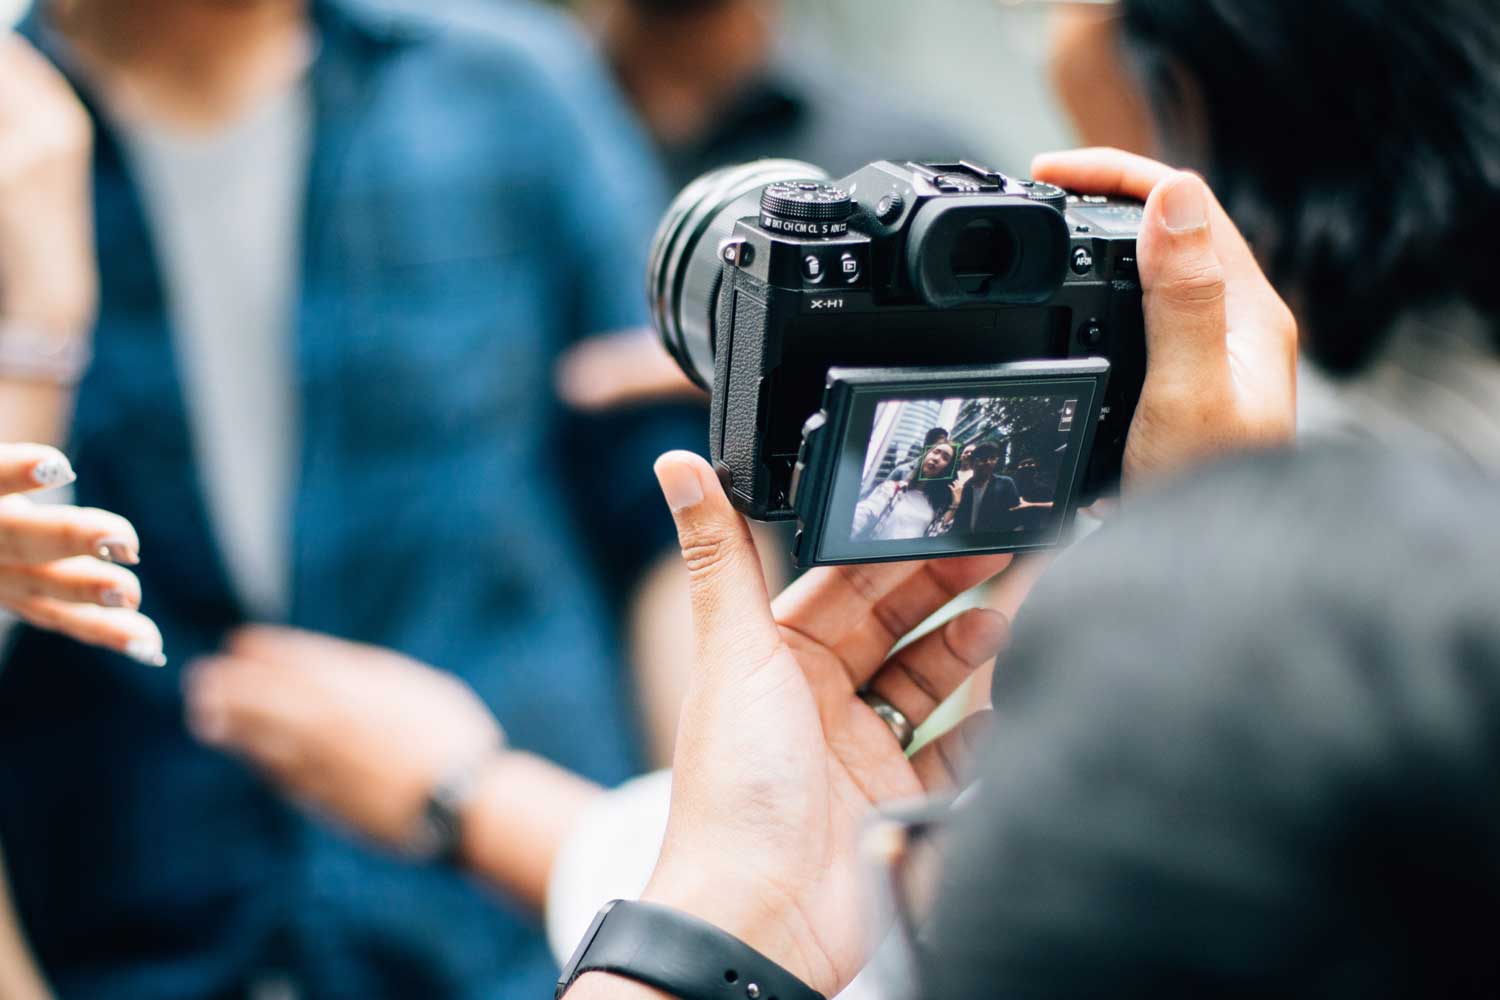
[117, 550]
[145, 651]
[1184, 207]
[53, 471]
[113, 598]
[679, 484]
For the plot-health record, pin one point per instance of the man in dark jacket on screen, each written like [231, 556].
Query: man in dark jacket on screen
[988, 500]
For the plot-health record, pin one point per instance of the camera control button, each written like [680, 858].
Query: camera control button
[888, 209]
[1091, 334]
[1083, 260]
[849, 269]
[1047, 194]
[813, 269]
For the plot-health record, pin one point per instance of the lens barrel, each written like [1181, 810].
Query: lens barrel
[685, 272]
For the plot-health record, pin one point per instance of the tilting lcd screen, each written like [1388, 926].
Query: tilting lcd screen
[983, 469]
[945, 469]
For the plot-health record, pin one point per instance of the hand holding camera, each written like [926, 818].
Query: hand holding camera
[1221, 345]
[779, 758]
[841, 325]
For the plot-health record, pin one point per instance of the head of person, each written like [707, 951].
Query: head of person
[1026, 470]
[936, 462]
[966, 457]
[1369, 185]
[1244, 751]
[986, 459]
[935, 436]
[933, 476]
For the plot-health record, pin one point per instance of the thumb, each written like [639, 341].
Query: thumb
[732, 620]
[1183, 283]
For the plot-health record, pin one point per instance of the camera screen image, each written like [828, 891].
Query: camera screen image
[984, 470]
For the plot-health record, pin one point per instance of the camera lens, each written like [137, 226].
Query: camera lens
[684, 273]
[983, 252]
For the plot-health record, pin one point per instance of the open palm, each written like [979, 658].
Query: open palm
[779, 761]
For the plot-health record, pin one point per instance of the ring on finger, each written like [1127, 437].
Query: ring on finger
[899, 724]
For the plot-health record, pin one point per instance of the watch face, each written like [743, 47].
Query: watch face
[570, 971]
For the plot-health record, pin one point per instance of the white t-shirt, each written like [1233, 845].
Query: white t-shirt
[979, 490]
[225, 209]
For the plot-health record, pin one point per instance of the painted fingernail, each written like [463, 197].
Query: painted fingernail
[679, 484]
[118, 550]
[1184, 208]
[145, 651]
[53, 471]
[113, 598]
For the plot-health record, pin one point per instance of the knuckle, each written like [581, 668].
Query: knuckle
[1201, 283]
[705, 553]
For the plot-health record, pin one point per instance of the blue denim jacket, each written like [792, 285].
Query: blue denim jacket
[477, 200]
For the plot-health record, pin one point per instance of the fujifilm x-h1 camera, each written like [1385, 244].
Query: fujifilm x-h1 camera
[920, 359]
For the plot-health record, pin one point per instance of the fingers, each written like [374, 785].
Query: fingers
[80, 580]
[921, 676]
[27, 467]
[41, 533]
[1101, 170]
[120, 629]
[1127, 175]
[860, 612]
[731, 612]
[947, 762]
[1217, 331]
[254, 709]
[274, 644]
[619, 369]
[1183, 284]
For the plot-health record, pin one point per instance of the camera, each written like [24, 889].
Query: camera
[917, 360]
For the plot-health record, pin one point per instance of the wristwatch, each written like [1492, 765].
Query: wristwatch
[439, 831]
[680, 955]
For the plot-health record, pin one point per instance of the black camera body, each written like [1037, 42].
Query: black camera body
[938, 277]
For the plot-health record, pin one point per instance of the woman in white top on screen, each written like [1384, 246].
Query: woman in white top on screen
[899, 510]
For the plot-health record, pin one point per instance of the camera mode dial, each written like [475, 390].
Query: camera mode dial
[1047, 194]
[806, 208]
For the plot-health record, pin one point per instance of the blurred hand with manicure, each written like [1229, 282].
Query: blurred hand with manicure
[63, 568]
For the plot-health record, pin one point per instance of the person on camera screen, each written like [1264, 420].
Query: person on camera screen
[909, 505]
[988, 499]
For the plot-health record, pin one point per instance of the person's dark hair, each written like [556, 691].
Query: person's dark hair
[1355, 142]
[988, 446]
[935, 436]
[1249, 747]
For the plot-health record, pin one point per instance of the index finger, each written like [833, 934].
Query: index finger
[27, 467]
[32, 533]
[1100, 170]
[860, 612]
[1129, 175]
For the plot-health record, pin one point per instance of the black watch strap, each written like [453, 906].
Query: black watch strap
[680, 955]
